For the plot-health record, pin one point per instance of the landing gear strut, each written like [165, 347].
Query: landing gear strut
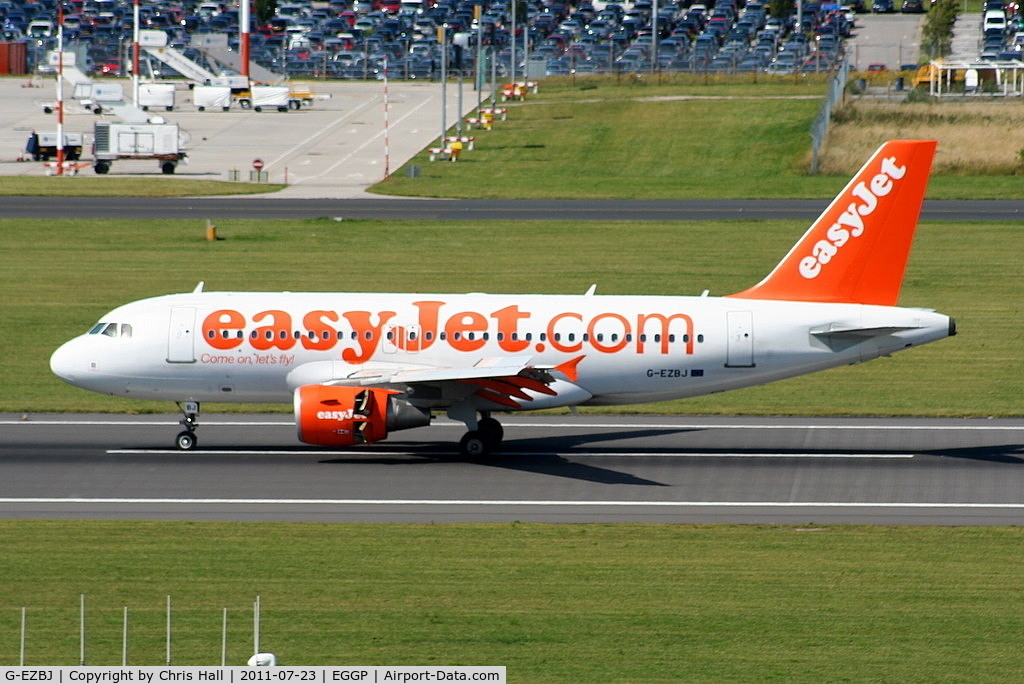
[186, 439]
[484, 440]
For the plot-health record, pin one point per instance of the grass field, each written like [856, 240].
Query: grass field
[553, 603]
[91, 186]
[60, 276]
[724, 138]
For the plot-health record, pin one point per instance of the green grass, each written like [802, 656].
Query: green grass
[623, 142]
[553, 603]
[719, 139]
[91, 186]
[60, 276]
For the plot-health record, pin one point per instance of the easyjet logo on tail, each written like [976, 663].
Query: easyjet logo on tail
[850, 223]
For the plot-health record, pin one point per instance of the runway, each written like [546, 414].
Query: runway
[200, 208]
[551, 469]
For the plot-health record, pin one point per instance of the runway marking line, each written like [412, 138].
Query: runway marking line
[510, 502]
[575, 454]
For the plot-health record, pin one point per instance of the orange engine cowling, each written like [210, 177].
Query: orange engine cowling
[330, 415]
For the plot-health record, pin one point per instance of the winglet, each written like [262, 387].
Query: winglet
[568, 368]
[857, 250]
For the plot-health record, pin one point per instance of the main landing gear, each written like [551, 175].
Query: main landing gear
[186, 439]
[484, 440]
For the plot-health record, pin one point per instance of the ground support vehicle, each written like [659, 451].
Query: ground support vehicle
[43, 146]
[156, 95]
[159, 141]
[211, 97]
[259, 97]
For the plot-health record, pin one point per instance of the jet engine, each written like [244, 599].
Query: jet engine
[330, 415]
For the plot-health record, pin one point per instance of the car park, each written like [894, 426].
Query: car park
[303, 39]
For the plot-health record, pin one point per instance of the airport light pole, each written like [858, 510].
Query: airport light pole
[243, 39]
[443, 34]
[135, 52]
[60, 90]
[512, 34]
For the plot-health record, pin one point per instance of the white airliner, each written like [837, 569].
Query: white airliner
[360, 365]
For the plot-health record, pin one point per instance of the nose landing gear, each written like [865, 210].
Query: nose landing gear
[186, 439]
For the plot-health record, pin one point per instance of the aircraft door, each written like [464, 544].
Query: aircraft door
[181, 335]
[740, 339]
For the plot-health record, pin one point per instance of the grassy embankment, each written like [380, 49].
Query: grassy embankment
[553, 603]
[722, 140]
[105, 186]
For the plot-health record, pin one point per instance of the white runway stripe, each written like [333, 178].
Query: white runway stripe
[505, 502]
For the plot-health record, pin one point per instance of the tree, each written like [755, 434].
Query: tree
[781, 9]
[265, 10]
[937, 32]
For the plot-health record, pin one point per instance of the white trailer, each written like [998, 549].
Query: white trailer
[211, 97]
[259, 97]
[156, 95]
[160, 141]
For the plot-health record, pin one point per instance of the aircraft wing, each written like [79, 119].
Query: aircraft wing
[511, 382]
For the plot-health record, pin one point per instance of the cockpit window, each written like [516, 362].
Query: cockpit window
[111, 329]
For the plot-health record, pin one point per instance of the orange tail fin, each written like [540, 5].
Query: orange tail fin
[857, 250]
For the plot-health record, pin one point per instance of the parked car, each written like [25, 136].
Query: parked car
[112, 67]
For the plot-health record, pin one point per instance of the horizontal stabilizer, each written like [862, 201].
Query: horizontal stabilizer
[842, 330]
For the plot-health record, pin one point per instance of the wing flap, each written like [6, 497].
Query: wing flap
[510, 382]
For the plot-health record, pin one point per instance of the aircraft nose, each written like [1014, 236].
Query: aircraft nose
[66, 363]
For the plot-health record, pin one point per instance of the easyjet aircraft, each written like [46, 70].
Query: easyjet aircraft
[359, 366]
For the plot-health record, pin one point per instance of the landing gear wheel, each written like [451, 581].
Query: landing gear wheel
[186, 440]
[492, 431]
[474, 444]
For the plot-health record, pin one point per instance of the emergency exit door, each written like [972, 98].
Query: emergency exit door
[740, 339]
[181, 335]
